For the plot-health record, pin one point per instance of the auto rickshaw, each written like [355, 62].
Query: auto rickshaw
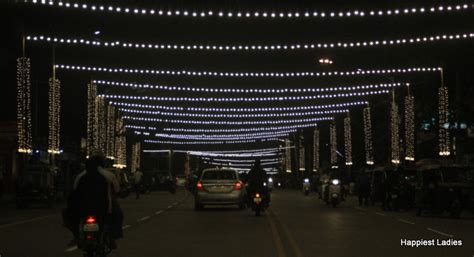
[36, 185]
[444, 188]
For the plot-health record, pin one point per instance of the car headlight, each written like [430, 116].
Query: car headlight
[335, 181]
[306, 180]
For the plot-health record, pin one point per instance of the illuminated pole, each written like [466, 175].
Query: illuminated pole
[110, 144]
[91, 118]
[443, 111]
[333, 143]
[24, 103]
[369, 153]
[409, 127]
[395, 139]
[316, 160]
[54, 113]
[348, 140]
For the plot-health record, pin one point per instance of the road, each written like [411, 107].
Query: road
[161, 224]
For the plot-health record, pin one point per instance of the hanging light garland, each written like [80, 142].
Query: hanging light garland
[369, 154]
[245, 110]
[211, 142]
[333, 143]
[348, 140]
[24, 105]
[91, 119]
[358, 72]
[255, 14]
[271, 47]
[110, 152]
[266, 128]
[54, 116]
[302, 152]
[101, 119]
[136, 156]
[410, 127]
[443, 108]
[288, 155]
[215, 138]
[395, 141]
[316, 149]
[121, 161]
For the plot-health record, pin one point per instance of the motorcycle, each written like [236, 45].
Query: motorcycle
[258, 203]
[333, 195]
[94, 237]
[306, 186]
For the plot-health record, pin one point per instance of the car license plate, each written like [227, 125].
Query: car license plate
[91, 227]
[257, 199]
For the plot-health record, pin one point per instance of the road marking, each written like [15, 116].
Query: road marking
[144, 218]
[294, 246]
[439, 232]
[170, 206]
[26, 221]
[126, 226]
[406, 221]
[72, 248]
[380, 214]
[158, 212]
[175, 203]
[276, 238]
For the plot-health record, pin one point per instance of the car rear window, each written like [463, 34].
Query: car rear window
[219, 174]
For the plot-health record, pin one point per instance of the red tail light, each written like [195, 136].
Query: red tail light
[238, 186]
[90, 219]
[89, 237]
[199, 186]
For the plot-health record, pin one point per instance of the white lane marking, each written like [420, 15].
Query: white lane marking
[158, 212]
[406, 221]
[26, 221]
[70, 249]
[144, 218]
[175, 203]
[170, 206]
[379, 213]
[126, 226]
[439, 232]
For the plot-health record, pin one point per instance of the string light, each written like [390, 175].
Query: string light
[326, 61]
[288, 155]
[443, 107]
[348, 140]
[255, 14]
[333, 143]
[121, 161]
[302, 162]
[358, 72]
[209, 136]
[245, 110]
[316, 160]
[410, 127]
[91, 119]
[395, 141]
[136, 156]
[272, 47]
[210, 142]
[215, 138]
[266, 128]
[256, 115]
[245, 90]
[369, 154]
[240, 164]
[247, 99]
[101, 123]
[54, 116]
[239, 161]
[110, 153]
[24, 105]
[213, 122]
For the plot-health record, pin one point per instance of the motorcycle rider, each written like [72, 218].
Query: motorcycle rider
[256, 179]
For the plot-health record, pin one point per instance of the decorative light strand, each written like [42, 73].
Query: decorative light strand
[316, 160]
[54, 108]
[348, 140]
[245, 110]
[443, 105]
[369, 154]
[204, 136]
[239, 161]
[249, 99]
[302, 152]
[255, 14]
[333, 143]
[91, 119]
[410, 128]
[24, 105]
[136, 156]
[193, 137]
[256, 115]
[101, 123]
[241, 164]
[271, 47]
[210, 142]
[279, 128]
[358, 72]
[111, 153]
[288, 155]
[246, 90]
[121, 161]
[395, 141]
[213, 122]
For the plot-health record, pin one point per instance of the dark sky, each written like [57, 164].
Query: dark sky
[455, 56]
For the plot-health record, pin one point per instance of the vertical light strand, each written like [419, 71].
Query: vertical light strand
[302, 153]
[288, 155]
[100, 112]
[409, 127]
[110, 152]
[136, 151]
[24, 105]
[316, 149]
[443, 109]
[394, 129]
[369, 153]
[348, 140]
[54, 116]
[333, 143]
[120, 145]
[91, 118]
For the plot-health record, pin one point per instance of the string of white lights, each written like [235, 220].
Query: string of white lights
[271, 47]
[226, 135]
[246, 74]
[241, 164]
[255, 14]
[194, 137]
[248, 99]
[258, 150]
[244, 90]
[214, 122]
[225, 115]
[239, 161]
[209, 142]
[235, 130]
[245, 110]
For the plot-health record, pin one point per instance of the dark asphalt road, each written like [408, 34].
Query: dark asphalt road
[161, 224]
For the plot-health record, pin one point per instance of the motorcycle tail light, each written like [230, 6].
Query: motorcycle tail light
[199, 185]
[90, 220]
[257, 195]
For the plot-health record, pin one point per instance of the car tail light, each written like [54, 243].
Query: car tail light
[90, 219]
[199, 186]
[238, 186]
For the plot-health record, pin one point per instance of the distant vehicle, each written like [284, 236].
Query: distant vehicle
[180, 180]
[219, 186]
